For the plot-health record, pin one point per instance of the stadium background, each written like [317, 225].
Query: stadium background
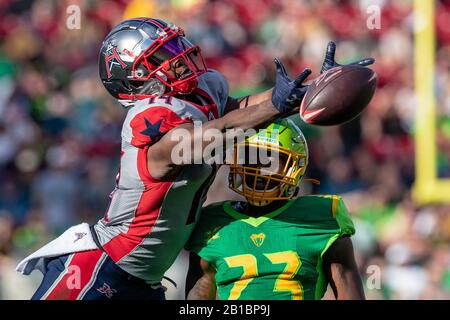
[60, 131]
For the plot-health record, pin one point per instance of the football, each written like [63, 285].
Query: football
[338, 95]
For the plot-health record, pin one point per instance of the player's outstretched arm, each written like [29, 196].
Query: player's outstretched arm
[286, 95]
[246, 101]
[329, 62]
[342, 272]
[284, 98]
[205, 287]
[161, 161]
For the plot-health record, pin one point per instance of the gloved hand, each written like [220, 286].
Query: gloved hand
[329, 62]
[287, 94]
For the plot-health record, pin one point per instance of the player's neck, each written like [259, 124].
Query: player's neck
[256, 211]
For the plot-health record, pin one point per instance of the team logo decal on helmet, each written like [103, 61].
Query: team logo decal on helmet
[112, 59]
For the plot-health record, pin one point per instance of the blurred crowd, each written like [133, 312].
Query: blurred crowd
[60, 131]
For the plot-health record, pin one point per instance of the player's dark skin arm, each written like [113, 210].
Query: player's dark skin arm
[254, 112]
[200, 281]
[159, 156]
[340, 268]
[244, 102]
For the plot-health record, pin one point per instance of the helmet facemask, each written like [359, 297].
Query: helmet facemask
[265, 180]
[162, 58]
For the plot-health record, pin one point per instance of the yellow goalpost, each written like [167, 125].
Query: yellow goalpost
[428, 187]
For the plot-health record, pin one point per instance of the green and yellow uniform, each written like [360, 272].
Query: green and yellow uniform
[275, 256]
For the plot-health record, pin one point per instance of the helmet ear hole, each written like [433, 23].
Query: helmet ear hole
[126, 85]
[141, 71]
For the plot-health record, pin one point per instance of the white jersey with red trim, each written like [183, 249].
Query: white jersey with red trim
[149, 221]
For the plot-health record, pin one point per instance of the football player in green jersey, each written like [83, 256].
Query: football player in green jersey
[275, 245]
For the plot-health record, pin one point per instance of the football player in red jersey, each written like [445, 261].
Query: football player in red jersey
[160, 77]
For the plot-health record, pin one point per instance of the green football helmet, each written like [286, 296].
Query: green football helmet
[269, 165]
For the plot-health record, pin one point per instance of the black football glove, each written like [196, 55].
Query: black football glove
[329, 62]
[287, 94]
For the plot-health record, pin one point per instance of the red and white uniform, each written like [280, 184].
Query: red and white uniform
[149, 220]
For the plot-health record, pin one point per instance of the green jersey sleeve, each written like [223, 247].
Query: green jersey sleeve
[326, 212]
[343, 219]
[344, 227]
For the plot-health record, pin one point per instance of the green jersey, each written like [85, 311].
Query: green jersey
[275, 256]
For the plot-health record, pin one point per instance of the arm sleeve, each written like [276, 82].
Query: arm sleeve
[343, 218]
[345, 228]
[223, 93]
[217, 87]
[150, 125]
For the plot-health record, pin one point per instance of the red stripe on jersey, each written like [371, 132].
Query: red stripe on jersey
[82, 265]
[140, 227]
[142, 166]
[146, 213]
[211, 107]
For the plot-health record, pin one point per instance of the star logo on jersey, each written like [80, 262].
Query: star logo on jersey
[258, 239]
[152, 129]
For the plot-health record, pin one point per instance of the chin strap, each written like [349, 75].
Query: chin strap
[259, 203]
[313, 181]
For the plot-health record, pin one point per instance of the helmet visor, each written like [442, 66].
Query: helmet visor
[171, 54]
[171, 49]
[174, 61]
